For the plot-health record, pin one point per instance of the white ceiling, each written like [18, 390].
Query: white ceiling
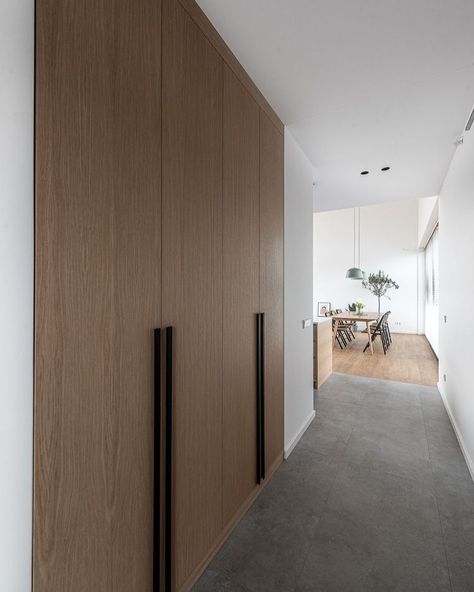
[361, 84]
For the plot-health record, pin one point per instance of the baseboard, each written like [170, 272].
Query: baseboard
[296, 438]
[457, 431]
[403, 332]
[199, 570]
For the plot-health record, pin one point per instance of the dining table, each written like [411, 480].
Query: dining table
[365, 317]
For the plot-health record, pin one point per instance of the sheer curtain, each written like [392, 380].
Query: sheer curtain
[432, 291]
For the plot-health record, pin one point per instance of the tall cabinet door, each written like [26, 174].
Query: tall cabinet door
[192, 283]
[97, 293]
[271, 283]
[241, 292]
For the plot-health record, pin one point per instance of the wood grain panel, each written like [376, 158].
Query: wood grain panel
[97, 292]
[192, 281]
[241, 292]
[271, 281]
[199, 17]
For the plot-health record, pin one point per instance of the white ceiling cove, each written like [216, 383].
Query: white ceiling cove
[362, 84]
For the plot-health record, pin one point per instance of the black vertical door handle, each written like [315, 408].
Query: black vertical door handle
[260, 398]
[156, 459]
[168, 457]
[262, 394]
[162, 519]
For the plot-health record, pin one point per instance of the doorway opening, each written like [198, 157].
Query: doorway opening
[393, 297]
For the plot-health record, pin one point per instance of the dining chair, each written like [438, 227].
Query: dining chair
[385, 334]
[346, 326]
[378, 330]
[387, 327]
[341, 337]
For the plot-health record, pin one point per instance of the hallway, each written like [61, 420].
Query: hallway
[376, 497]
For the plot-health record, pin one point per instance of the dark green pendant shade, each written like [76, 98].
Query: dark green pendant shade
[355, 273]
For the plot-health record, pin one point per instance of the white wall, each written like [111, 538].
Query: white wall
[298, 292]
[456, 257]
[389, 241]
[427, 218]
[16, 292]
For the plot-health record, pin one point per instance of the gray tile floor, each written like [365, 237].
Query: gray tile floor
[375, 497]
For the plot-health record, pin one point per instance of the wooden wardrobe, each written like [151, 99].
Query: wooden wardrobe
[159, 244]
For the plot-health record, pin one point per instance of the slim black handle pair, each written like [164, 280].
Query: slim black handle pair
[157, 456]
[260, 397]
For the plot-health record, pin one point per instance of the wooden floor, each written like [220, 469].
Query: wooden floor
[409, 359]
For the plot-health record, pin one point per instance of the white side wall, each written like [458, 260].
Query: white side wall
[298, 292]
[456, 254]
[427, 218]
[389, 240]
[16, 292]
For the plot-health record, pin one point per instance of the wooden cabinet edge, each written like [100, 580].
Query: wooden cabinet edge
[229, 528]
[319, 378]
[211, 33]
[324, 378]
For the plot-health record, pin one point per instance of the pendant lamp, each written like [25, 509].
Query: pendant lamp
[356, 273]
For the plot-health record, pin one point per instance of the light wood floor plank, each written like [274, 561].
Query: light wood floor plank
[409, 359]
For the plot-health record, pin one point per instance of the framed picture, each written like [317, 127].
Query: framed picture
[323, 308]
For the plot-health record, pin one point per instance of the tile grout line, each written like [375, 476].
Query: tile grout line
[338, 463]
[330, 489]
[360, 406]
[436, 500]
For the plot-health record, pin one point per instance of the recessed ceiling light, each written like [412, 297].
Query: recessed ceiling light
[385, 169]
[364, 172]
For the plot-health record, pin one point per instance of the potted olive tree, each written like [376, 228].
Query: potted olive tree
[379, 284]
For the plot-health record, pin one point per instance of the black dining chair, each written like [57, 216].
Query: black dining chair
[346, 326]
[341, 337]
[380, 330]
[387, 327]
